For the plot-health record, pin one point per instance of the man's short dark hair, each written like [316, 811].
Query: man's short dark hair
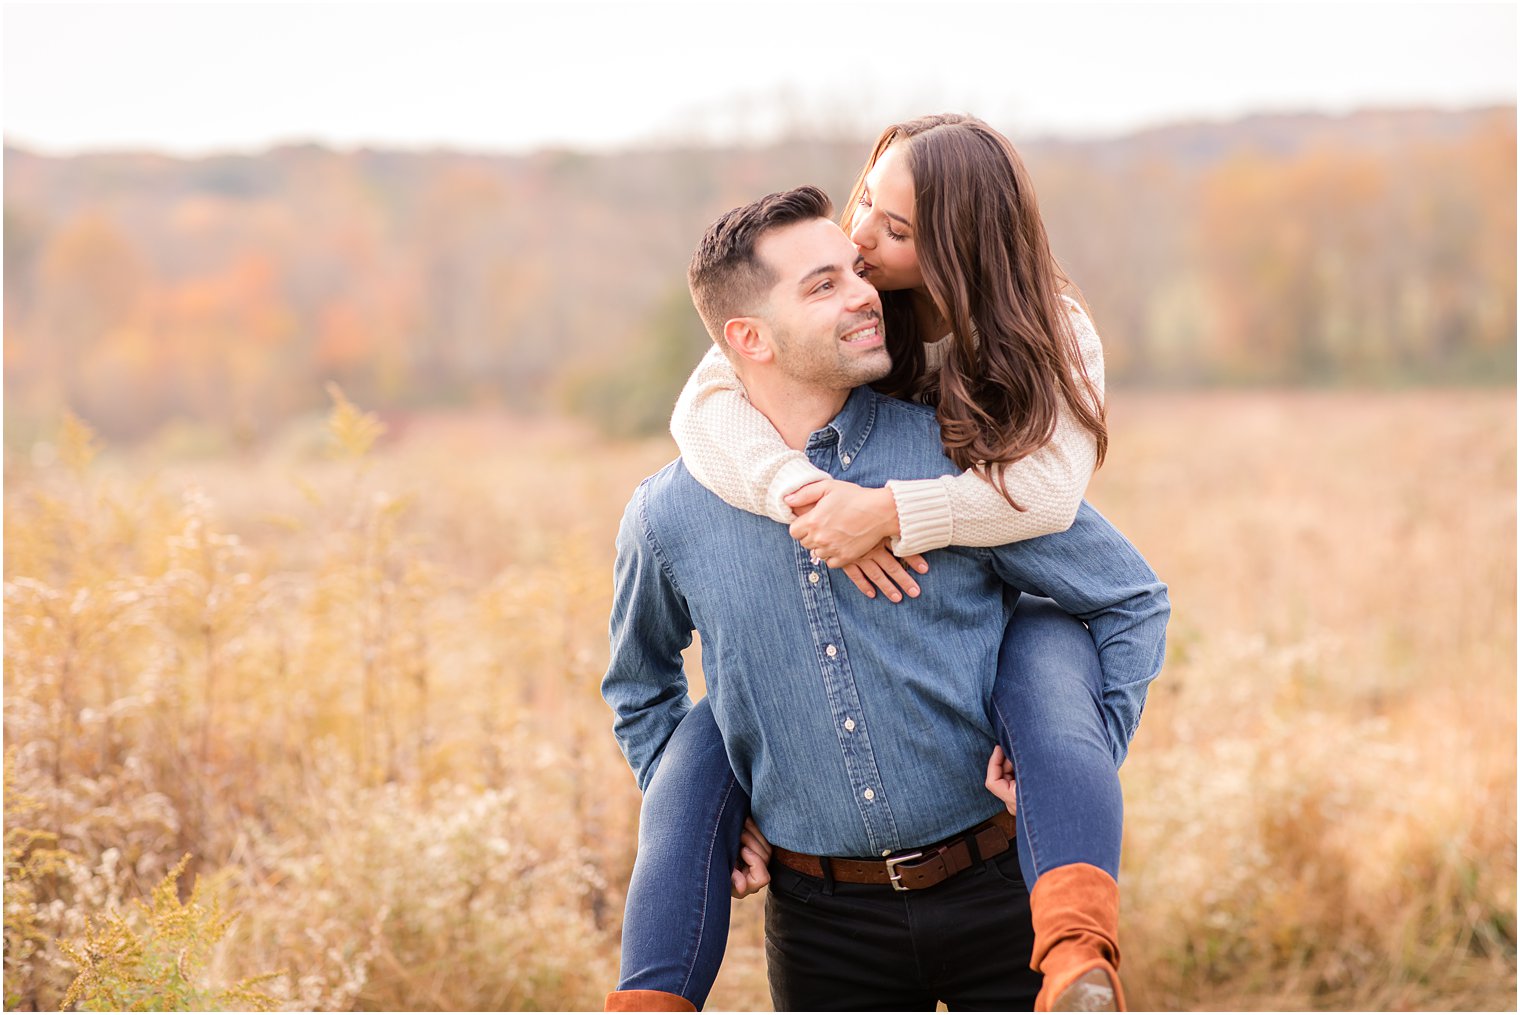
[727, 279]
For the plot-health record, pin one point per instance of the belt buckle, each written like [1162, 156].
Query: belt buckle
[892, 874]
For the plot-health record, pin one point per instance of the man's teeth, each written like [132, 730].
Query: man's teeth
[862, 335]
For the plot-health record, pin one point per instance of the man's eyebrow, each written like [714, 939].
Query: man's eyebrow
[825, 269]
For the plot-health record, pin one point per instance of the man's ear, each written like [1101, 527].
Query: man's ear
[748, 337]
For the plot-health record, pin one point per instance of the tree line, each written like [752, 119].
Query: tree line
[1371, 249]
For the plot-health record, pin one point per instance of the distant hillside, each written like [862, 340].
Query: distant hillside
[1377, 247]
[1200, 145]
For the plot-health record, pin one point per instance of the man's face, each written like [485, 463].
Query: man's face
[823, 318]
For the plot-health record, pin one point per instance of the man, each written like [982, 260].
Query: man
[859, 733]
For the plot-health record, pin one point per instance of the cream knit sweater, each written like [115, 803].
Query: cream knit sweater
[733, 450]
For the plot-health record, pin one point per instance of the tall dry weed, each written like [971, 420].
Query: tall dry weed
[361, 686]
[274, 707]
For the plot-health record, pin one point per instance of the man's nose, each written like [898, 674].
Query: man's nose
[862, 294]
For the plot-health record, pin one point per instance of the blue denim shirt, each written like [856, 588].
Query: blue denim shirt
[857, 726]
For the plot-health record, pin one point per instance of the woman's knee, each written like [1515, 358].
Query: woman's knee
[694, 746]
[692, 770]
[1049, 685]
[1046, 645]
[693, 787]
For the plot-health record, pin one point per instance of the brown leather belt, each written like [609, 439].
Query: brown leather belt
[911, 869]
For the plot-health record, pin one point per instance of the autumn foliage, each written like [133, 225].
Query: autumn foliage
[1377, 248]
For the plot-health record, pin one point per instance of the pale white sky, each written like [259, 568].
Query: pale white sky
[516, 75]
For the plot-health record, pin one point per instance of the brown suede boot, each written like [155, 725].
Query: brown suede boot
[646, 1000]
[1076, 939]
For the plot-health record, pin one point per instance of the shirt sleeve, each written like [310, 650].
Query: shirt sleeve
[731, 448]
[1095, 574]
[966, 510]
[645, 683]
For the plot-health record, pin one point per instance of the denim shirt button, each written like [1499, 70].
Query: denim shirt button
[849, 724]
[869, 794]
[845, 459]
[831, 651]
[813, 577]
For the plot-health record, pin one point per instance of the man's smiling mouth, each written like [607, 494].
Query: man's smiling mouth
[867, 333]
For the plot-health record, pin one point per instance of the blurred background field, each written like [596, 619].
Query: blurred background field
[314, 450]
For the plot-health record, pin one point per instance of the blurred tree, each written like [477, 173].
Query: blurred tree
[23, 242]
[634, 397]
[91, 283]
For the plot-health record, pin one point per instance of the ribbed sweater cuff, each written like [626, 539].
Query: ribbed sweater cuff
[923, 515]
[791, 477]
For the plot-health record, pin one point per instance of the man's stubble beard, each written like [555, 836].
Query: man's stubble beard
[829, 367]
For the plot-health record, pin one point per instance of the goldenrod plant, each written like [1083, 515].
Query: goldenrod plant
[155, 957]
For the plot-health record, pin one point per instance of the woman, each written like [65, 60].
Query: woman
[979, 324]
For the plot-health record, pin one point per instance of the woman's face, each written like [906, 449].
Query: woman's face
[881, 225]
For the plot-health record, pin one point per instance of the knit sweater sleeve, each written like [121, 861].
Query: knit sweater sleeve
[965, 509]
[731, 448]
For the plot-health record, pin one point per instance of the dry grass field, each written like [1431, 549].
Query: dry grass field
[358, 687]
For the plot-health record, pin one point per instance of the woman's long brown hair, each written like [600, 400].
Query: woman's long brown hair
[987, 264]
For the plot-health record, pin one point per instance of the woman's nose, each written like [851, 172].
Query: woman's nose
[860, 236]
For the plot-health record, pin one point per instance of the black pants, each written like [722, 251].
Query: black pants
[845, 947]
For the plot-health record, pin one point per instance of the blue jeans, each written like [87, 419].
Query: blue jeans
[1046, 707]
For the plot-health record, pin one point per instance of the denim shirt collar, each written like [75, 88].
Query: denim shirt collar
[848, 431]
